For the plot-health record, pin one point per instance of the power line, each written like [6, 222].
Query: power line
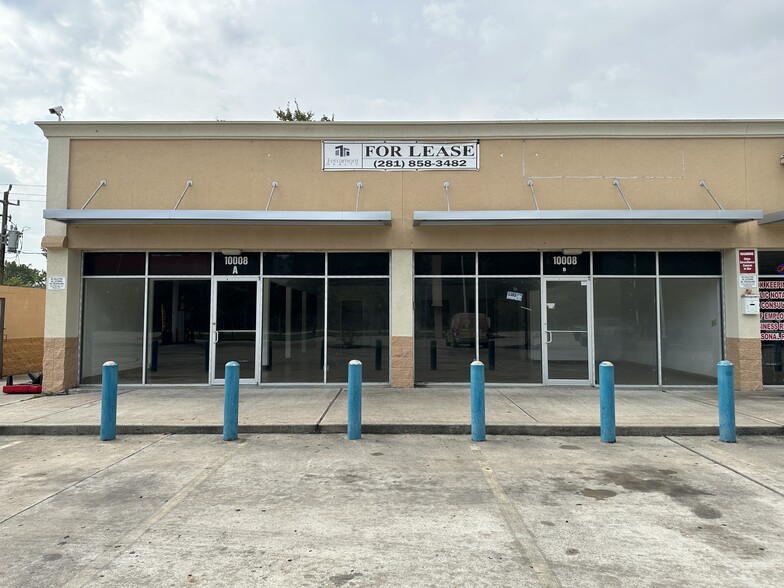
[26, 185]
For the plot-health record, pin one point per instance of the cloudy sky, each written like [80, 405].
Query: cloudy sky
[373, 60]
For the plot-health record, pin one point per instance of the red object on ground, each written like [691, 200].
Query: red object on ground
[22, 389]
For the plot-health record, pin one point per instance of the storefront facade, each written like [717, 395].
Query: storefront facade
[540, 248]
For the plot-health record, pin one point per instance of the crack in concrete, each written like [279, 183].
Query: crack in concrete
[725, 466]
[326, 410]
[523, 536]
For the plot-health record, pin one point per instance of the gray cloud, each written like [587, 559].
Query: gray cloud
[376, 60]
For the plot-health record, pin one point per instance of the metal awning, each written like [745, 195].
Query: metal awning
[219, 217]
[584, 217]
[773, 218]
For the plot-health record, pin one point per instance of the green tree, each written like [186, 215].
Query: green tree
[298, 115]
[19, 274]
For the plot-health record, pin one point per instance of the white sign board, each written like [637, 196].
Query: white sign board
[399, 155]
[55, 283]
[514, 296]
[747, 281]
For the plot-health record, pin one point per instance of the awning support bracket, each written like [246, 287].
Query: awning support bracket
[269, 200]
[359, 189]
[704, 185]
[188, 184]
[617, 184]
[90, 199]
[533, 194]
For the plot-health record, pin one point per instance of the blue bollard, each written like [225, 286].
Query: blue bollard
[231, 401]
[109, 401]
[607, 401]
[354, 400]
[477, 401]
[726, 401]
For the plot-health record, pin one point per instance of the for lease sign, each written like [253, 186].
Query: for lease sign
[399, 155]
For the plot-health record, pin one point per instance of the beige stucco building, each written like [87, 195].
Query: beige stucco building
[541, 248]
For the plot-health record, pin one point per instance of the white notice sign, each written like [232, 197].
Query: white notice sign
[514, 296]
[55, 283]
[748, 281]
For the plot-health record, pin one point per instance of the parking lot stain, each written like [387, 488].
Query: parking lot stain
[646, 479]
[341, 579]
[706, 512]
[598, 494]
[51, 556]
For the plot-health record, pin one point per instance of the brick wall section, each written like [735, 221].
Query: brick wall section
[402, 362]
[60, 364]
[23, 355]
[746, 357]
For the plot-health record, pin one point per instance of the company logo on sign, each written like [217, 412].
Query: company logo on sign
[780, 269]
[340, 158]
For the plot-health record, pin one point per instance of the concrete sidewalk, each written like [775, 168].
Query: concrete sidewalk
[435, 410]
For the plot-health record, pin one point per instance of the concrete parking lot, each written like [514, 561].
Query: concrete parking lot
[397, 510]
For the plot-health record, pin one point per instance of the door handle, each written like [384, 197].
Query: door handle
[215, 336]
[548, 337]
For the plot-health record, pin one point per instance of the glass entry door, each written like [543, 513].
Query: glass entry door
[567, 337]
[235, 329]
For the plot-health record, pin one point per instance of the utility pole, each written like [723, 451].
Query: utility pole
[3, 231]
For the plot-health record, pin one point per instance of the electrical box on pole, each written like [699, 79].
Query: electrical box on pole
[13, 240]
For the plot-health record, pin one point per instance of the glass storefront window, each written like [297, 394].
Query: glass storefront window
[358, 264]
[180, 264]
[690, 330]
[771, 286]
[113, 328]
[240, 264]
[558, 263]
[625, 328]
[690, 263]
[114, 264]
[624, 263]
[509, 264]
[293, 330]
[293, 264]
[444, 264]
[444, 330]
[178, 332]
[452, 327]
[771, 263]
[358, 328]
[511, 311]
